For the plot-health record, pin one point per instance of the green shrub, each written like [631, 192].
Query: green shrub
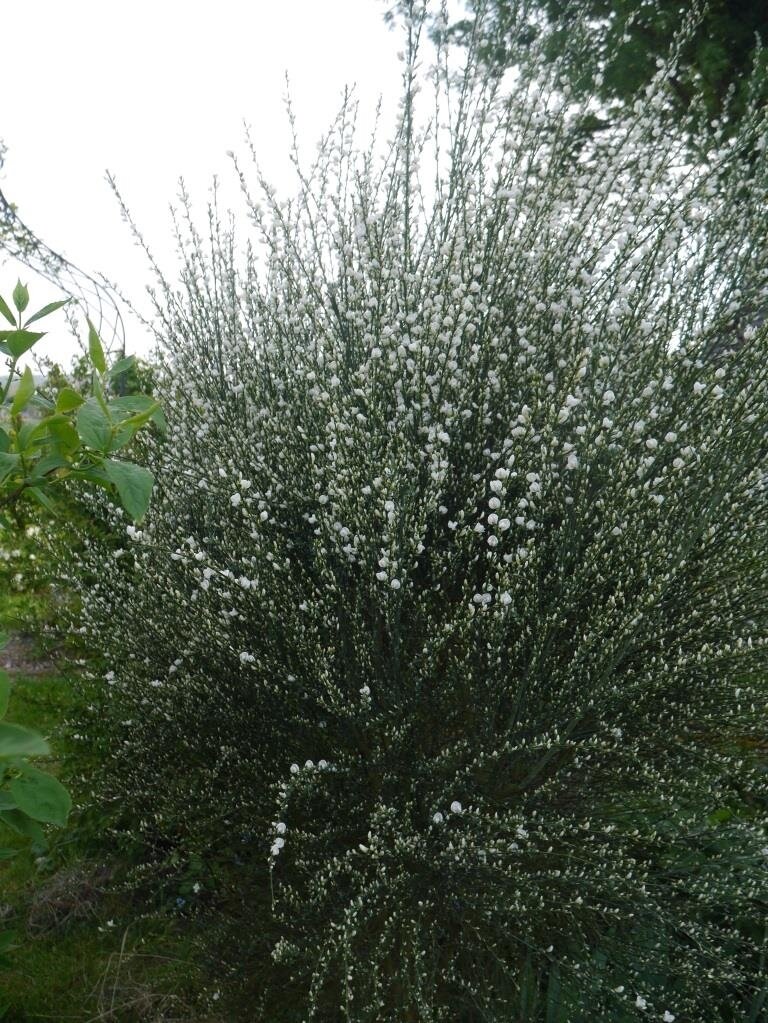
[448, 620]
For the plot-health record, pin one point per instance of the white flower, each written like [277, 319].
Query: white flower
[437, 818]
[640, 1002]
[295, 768]
[608, 397]
[505, 599]
[395, 584]
[309, 764]
[668, 1016]
[235, 500]
[456, 806]
[280, 828]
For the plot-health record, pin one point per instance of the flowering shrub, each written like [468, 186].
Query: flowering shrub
[452, 599]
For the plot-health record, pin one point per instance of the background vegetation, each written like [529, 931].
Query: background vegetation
[432, 687]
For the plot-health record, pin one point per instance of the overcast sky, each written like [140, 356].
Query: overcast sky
[157, 90]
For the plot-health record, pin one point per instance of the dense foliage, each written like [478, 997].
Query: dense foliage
[450, 612]
[611, 48]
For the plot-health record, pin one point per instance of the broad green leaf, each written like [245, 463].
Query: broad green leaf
[68, 399]
[94, 428]
[133, 484]
[16, 741]
[93, 474]
[47, 465]
[64, 433]
[20, 296]
[47, 309]
[7, 802]
[31, 436]
[5, 440]
[5, 310]
[24, 391]
[22, 825]
[20, 341]
[41, 796]
[95, 349]
[122, 366]
[5, 692]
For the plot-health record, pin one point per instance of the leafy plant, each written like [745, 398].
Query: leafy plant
[72, 438]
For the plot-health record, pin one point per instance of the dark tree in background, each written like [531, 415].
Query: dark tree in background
[610, 48]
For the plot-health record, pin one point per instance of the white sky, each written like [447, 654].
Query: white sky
[157, 90]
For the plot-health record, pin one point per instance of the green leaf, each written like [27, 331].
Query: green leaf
[95, 349]
[20, 296]
[41, 796]
[133, 404]
[16, 741]
[22, 825]
[5, 310]
[64, 433]
[68, 399]
[133, 484]
[43, 499]
[31, 436]
[47, 465]
[5, 692]
[5, 440]
[721, 815]
[122, 366]
[20, 341]
[94, 428]
[47, 309]
[24, 391]
[8, 462]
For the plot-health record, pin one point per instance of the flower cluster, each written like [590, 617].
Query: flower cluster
[465, 490]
